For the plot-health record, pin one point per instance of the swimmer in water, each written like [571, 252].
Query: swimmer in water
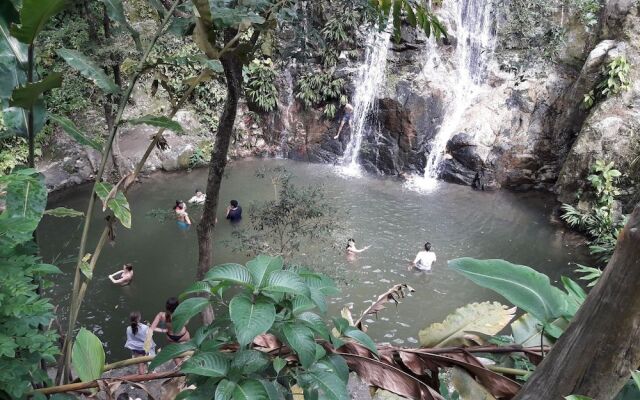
[352, 249]
[126, 275]
[181, 214]
[425, 258]
[198, 198]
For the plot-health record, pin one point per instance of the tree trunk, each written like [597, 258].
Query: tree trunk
[595, 355]
[233, 74]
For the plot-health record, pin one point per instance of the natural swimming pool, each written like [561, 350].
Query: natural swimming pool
[382, 213]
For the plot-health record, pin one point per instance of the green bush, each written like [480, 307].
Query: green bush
[322, 88]
[600, 223]
[23, 346]
[260, 87]
[613, 80]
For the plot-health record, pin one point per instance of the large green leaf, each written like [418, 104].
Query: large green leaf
[170, 352]
[261, 267]
[213, 365]
[286, 282]
[69, 127]
[301, 340]
[575, 295]
[224, 390]
[235, 273]
[26, 200]
[115, 11]
[313, 321]
[88, 356]
[187, 310]
[88, 69]
[523, 286]
[334, 364]
[120, 207]
[158, 121]
[34, 14]
[527, 329]
[251, 318]
[250, 389]
[26, 96]
[14, 48]
[329, 384]
[249, 361]
[487, 318]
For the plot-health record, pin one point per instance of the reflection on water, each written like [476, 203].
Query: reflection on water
[382, 213]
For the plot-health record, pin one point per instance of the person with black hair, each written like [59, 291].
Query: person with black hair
[198, 198]
[234, 211]
[136, 335]
[164, 318]
[181, 215]
[425, 258]
[125, 275]
[352, 249]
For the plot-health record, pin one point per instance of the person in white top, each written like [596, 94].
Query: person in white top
[199, 198]
[136, 336]
[425, 258]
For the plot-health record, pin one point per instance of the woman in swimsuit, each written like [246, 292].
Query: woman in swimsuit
[181, 214]
[164, 318]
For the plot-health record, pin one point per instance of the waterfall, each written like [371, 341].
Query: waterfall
[370, 78]
[285, 113]
[475, 43]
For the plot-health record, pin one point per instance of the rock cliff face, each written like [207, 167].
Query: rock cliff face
[526, 129]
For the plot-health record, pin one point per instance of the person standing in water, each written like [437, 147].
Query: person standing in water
[352, 249]
[181, 214]
[126, 275]
[136, 336]
[234, 211]
[346, 118]
[425, 258]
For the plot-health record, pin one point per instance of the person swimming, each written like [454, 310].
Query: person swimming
[164, 318]
[198, 198]
[425, 258]
[181, 214]
[126, 275]
[136, 336]
[234, 211]
[352, 249]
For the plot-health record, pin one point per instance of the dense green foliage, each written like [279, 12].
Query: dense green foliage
[23, 346]
[613, 80]
[260, 88]
[600, 222]
[321, 89]
[270, 306]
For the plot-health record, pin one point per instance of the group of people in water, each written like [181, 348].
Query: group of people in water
[234, 211]
[423, 261]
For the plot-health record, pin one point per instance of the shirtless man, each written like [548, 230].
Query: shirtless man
[126, 275]
[346, 118]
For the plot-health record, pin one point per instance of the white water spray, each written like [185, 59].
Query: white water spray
[475, 43]
[285, 113]
[370, 78]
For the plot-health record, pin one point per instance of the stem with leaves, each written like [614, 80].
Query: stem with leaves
[81, 282]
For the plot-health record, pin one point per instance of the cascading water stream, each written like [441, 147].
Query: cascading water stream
[285, 112]
[369, 79]
[475, 43]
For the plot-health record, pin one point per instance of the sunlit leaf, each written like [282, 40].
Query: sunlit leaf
[157, 121]
[62, 212]
[88, 356]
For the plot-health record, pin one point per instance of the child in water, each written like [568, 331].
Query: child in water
[136, 336]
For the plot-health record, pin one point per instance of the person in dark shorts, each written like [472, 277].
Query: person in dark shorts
[136, 336]
[234, 211]
[346, 119]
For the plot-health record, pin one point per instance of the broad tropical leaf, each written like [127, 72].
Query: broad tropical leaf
[88, 356]
[120, 207]
[488, 318]
[329, 384]
[26, 96]
[527, 329]
[63, 212]
[26, 199]
[521, 285]
[170, 352]
[336, 365]
[286, 282]
[213, 365]
[187, 310]
[467, 386]
[69, 127]
[34, 14]
[249, 361]
[158, 121]
[224, 390]
[313, 321]
[88, 69]
[229, 272]
[301, 340]
[261, 267]
[250, 389]
[251, 318]
[576, 295]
